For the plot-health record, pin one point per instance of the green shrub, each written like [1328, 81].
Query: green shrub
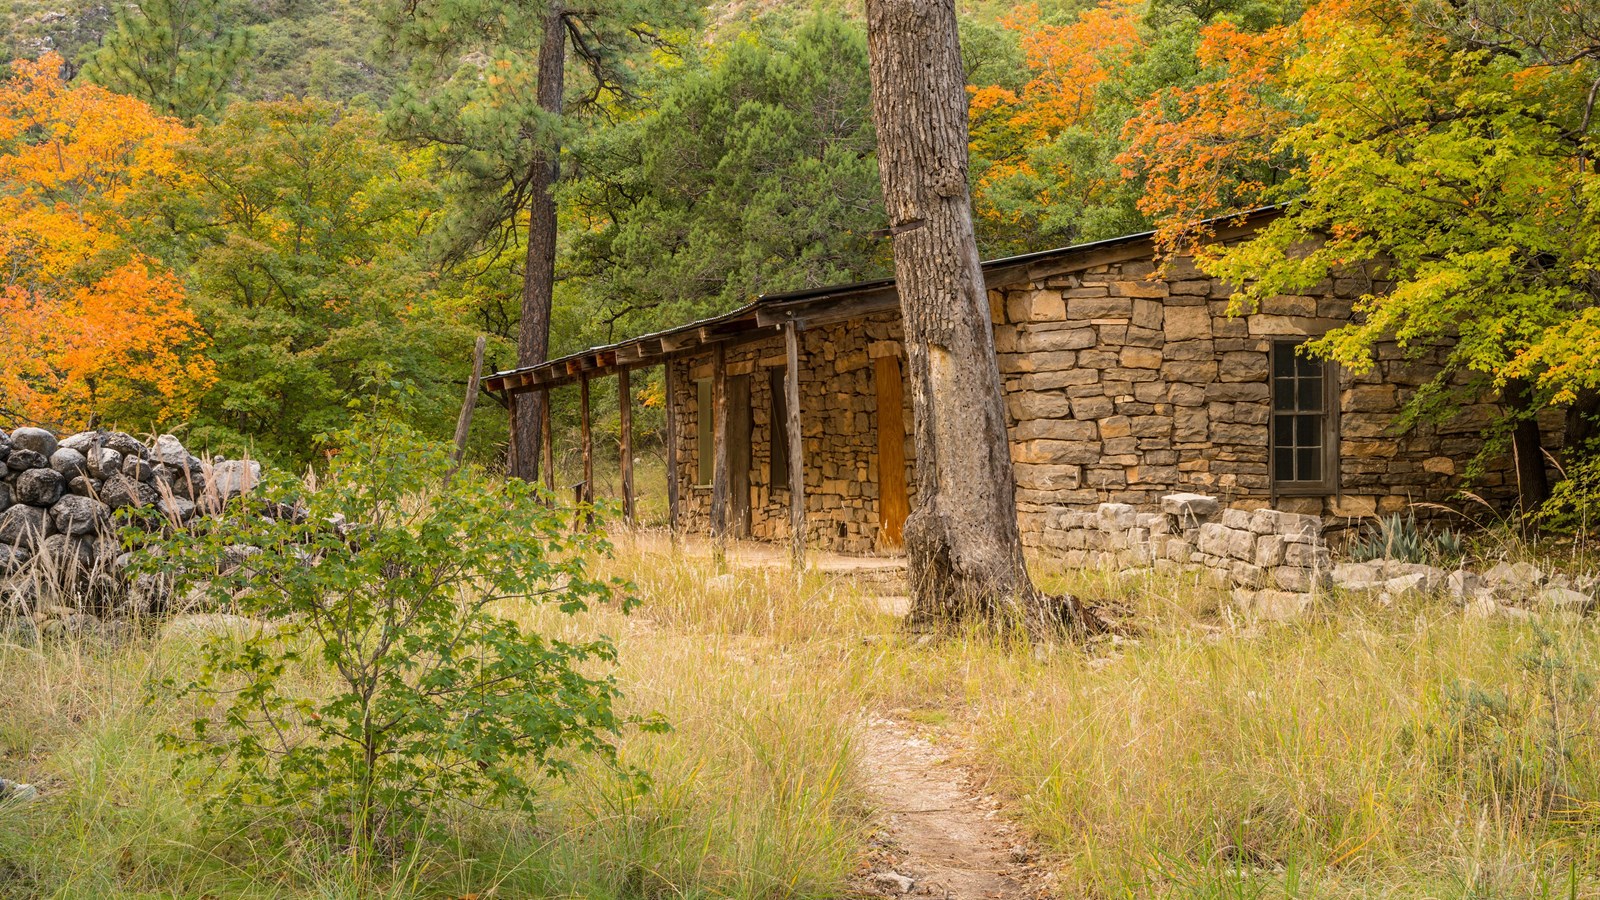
[388, 574]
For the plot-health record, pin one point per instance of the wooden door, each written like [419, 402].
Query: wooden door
[893, 505]
[739, 455]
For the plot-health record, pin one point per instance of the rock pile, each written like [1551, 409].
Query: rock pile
[58, 500]
[1272, 559]
[1505, 589]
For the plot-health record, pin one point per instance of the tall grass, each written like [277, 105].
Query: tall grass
[1363, 751]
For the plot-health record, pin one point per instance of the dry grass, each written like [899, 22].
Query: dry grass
[1362, 752]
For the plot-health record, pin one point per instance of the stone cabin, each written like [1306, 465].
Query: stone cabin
[1122, 387]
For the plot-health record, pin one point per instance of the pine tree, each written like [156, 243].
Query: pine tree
[176, 55]
[487, 86]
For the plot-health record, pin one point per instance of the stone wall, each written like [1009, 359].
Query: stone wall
[1123, 388]
[839, 410]
[58, 498]
[1265, 555]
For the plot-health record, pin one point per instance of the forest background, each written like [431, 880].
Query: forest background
[231, 217]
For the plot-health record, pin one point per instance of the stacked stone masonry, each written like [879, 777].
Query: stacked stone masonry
[839, 411]
[1260, 553]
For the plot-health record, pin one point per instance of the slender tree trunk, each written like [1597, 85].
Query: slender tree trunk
[963, 549]
[539, 264]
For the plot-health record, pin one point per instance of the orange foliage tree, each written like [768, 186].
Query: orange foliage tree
[1211, 148]
[1035, 149]
[90, 328]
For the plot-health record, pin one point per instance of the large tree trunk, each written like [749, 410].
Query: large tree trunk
[539, 264]
[964, 551]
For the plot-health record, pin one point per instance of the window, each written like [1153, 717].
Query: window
[706, 435]
[1304, 440]
[778, 423]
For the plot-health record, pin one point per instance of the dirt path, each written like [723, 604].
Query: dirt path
[944, 839]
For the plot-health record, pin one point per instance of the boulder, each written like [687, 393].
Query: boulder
[80, 515]
[233, 477]
[22, 460]
[68, 550]
[1557, 599]
[121, 491]
[83, 441]
[24, 526]
[177, 509]
[6, 497]
[39, 487]
[1358, 576]
[104, 463]
[37, 440]
[13, 558]
[137, 468]
[1513, 578]
[1462, 585]
[168, 450]
[69, 462]
[125, 444]
[83, 486]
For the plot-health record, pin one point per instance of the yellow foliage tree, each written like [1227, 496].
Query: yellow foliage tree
[90, 328]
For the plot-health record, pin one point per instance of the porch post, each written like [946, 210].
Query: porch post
[719, 443]
[588, 437]
[513, 456]
[797, 473]
[625, 411]
[672, 447]
[548, 439]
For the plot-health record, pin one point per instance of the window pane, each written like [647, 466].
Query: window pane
[1308, 431]
[1283, 394]
[1283, 430]
[1282, 359]
[1310, 394]
[1283, 464]
[1310, 464]
[1307, 367]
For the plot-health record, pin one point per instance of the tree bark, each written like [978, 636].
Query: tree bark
[964, 552]
[539, 261]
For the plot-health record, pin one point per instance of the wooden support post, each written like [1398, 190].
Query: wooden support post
[625, 413]
[548, 438]
[671, 441]
[588, 439]
[513, 455]
[464, 421]
[797, 471]
[719, 458]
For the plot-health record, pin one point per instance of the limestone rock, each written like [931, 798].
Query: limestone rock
[233, 477]
[137, 468]
[1191, 510]
[1557, 599]
[1514, 578]
[1116, 516]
